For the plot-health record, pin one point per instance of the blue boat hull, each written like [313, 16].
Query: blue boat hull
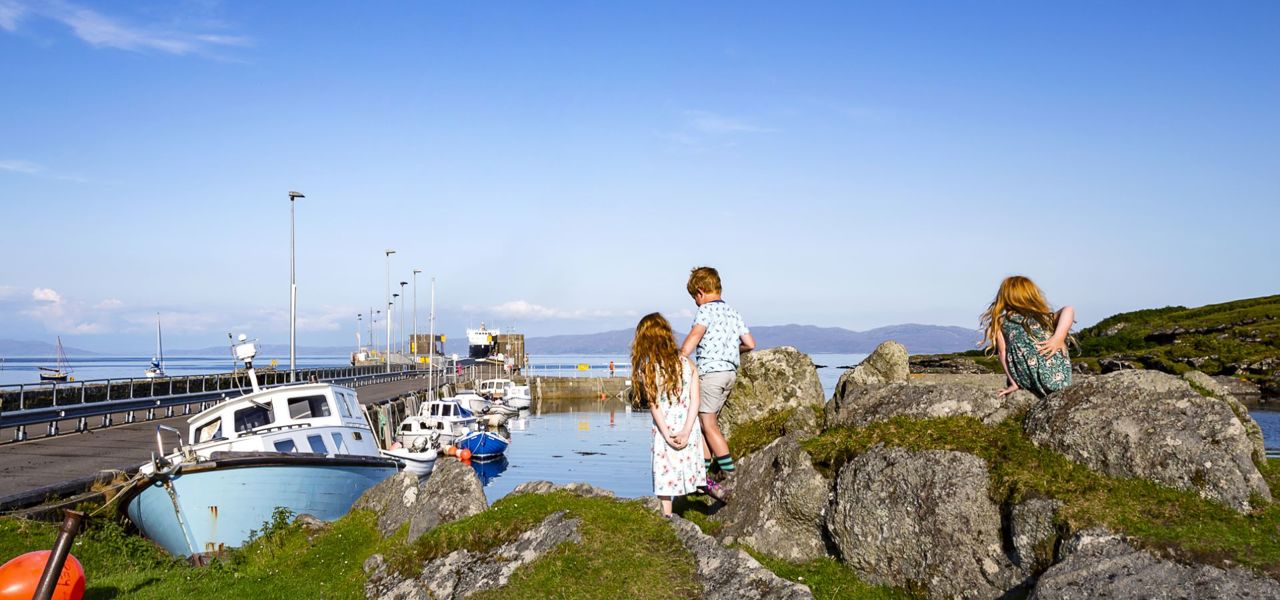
[483, 444]
[211, 506]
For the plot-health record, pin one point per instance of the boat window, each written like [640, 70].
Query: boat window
[345, 402]
[253, 416]
[209, 431]
[308, 407]
[286, 445]
[339, 444]
[406, 426]
[317, 444]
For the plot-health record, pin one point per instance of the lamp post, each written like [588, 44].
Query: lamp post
[431, 346]
[389, 252]
[394, 298]
[293, 293]
[359, 326]
[403, 348]
[414, 339]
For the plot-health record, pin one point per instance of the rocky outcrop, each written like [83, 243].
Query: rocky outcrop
[779, 503]
[462, 573]
[1216, 389]
[886, 364]
[1247, 392]
[585, 490]
[946, 365]
[1153, 426]
[1033, 529]
[730, 573]
[451, 492]
[1098, 564]
[862, 405]
[770, 381]
[921, 519]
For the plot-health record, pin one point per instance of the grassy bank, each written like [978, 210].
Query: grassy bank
[1161, 518]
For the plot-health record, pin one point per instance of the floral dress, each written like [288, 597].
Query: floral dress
[677, 472]
[1037, 374]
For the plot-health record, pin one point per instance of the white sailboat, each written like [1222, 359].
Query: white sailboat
[60, 372]
[157, 362]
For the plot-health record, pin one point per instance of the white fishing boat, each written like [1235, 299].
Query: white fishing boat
[156, 369]
[518, 396]
[307, 448]
[444, 420]
[59, 373]
[493, 388]
[472, 401]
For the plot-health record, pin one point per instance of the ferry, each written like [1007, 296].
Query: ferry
[482, 342]
[306, 447]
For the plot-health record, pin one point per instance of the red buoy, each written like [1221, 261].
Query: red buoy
[20, 576]
[464, 454]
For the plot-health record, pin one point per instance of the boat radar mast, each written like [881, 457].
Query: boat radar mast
[245, 351]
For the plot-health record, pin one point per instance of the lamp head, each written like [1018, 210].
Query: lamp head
[295, 195]
[390, 252]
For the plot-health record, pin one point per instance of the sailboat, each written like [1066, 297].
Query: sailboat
[157, 362]
[61, 372]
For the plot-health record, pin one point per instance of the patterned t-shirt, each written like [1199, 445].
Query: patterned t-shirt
[718, 349]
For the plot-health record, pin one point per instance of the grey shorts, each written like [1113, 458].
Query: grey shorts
[715, 390]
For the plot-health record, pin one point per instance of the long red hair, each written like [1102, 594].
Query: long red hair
[1017, 294]
[655, 361]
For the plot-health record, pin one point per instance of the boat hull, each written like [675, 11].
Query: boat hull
[418, 463]
[212, 505]
[483, 444]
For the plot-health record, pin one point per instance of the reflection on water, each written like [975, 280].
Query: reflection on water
[1269, 421]
[595, 442]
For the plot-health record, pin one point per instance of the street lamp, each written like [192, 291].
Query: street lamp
[359, 326]
[293, 293]
[414, 345]
[389, 252]
[402, 340]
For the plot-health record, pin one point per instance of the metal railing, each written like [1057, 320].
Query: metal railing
[24, 405]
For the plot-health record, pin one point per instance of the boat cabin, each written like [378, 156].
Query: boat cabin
[493, 387]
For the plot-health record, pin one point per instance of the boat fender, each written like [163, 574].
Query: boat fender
[464, 455]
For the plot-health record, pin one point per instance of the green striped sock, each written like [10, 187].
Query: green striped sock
[707, 463]
[725, 462]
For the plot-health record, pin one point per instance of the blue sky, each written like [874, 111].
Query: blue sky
[561, 166]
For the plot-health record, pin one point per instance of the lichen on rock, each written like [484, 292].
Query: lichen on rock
[770, 381]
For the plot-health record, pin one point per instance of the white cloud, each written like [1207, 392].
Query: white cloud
[714, 124]
[105, 31]
[109, 304]
[21, 166]
[523, 309]
[46, 295]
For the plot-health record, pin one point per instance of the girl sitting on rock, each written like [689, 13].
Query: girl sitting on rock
[1017, 325]
[664, 382]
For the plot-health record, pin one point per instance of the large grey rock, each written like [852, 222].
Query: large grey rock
[462, 573]
[1098, 564]
[888, 363]
[769, 381]
[730, 573]
[1221, 391]
[451, 492]
[1033, 527]
[778, 503]
[1153, 426]
[921, 519]
[862, 405]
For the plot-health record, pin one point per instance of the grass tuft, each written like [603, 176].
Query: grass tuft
[758, 433]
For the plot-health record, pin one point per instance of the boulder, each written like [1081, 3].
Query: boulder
[730, 573]
[942, 364]
[1216, 389]
[921, 519]
[889, 362]
[451, 492]
[1034, 530]
[862, 405]
[1153, 426]
[778, 503]
[770, 381]
[462, 573]
[585, 490]
[1097, 564]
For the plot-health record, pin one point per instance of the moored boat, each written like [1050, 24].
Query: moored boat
[156, 370]
[307, 448]
[484, 445]
[59, 373]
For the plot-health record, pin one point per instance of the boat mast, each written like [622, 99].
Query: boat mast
[159, 344]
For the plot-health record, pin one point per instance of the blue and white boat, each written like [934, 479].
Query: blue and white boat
[484, 445]
[307, 448]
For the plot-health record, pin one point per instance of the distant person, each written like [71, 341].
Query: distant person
[664, 383]
[610, 368]
[718, 336]
[1017, 326]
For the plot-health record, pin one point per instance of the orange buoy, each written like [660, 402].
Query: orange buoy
[450, 450]
[20, 576]
[464, 454]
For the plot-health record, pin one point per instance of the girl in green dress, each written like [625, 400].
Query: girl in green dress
[1018, 326]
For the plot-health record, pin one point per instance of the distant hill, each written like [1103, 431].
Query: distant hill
[264, 350]
[919, 339]
[26, 348]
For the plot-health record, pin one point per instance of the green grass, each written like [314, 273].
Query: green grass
[758, 433]
[286, 563]
[830, 579]
[626, 550]
[1157, 516]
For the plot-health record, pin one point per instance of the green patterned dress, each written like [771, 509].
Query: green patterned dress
[1037, 374]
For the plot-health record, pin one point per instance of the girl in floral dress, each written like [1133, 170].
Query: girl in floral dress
[1017, 325]
[665, 384]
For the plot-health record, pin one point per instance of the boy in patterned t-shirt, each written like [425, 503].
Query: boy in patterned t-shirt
[718, 336]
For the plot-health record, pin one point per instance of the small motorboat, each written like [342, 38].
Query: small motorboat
[305, 447]
[446, 418]
[472, 401]
[484, 445]
[419, 462]
[517, 396]
[500, 407]
[493, 388]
